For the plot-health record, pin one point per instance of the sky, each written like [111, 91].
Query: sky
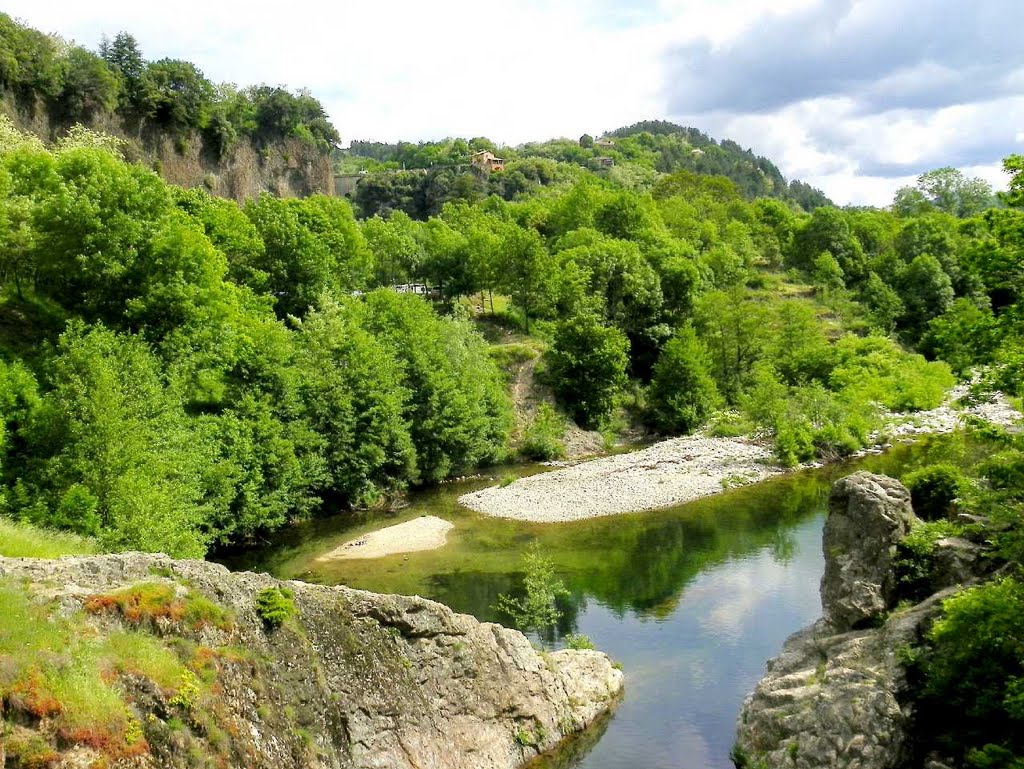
[856, 97]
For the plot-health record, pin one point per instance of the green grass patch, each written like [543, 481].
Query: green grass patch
[54, 668]
[23, 540]
[146, 656]
[508, 357]
[274, 605]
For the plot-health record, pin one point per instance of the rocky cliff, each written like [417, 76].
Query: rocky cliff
[286, 168]
[277, 674]
[837, 695]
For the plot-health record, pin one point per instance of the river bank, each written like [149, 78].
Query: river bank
[427, 532]
[681, 470]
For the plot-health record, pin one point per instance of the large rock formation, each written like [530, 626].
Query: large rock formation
[288, 167]
[353, 679]
[834, 696]
[868, 516]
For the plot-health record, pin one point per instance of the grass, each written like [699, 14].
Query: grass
[53, 669]
[145, 656]
[55, 666]
[144, 603]
[23, 540]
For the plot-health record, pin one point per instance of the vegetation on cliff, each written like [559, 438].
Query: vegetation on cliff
[77, 85]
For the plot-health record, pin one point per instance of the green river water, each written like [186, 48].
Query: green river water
[691, 600]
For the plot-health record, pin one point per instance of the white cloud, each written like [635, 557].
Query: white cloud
[533, 69]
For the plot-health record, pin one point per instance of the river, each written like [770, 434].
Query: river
[692, 600]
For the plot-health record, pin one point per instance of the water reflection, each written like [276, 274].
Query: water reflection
[691, 600]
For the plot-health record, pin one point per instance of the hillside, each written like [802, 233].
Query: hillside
[418, 178]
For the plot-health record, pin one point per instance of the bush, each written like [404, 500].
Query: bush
[914, 557]
[975, 672]
[274, 605]
[537, 610]
[933, 490]
[578, 641]
[542, 439]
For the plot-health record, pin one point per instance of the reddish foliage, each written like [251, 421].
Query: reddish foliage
[142, 603]
[30, 695]
[111, 743]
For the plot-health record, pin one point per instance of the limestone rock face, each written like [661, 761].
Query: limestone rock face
[868, 515]
[355, 680]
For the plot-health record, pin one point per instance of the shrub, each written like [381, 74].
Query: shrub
[537, 610]
[914, 557]
[578, 641]
[274, 605]
[933, 489]
[543, 437]
[975, 673]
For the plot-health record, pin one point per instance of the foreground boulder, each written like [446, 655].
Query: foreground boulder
[833, 697]
[334, 677]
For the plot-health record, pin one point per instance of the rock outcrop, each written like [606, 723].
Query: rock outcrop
[352, 679]
[288, 167]
[835, 697]
[868, 516]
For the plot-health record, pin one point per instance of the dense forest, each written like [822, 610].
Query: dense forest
[218, 370]
[419, 178]
[179, 372]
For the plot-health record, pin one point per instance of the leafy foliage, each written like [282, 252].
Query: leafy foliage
[275, 605]
[933, 490]
[537, 610]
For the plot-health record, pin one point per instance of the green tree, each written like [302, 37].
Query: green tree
[125, 58]
[682, 393]
[927, 292]
[587, 363]
[883, 302]
[524, 271]
[948, 190]
[312, 248]
[826, 273]
[128, 465]
[90, 87]
[829, 229]
[457, 408]
[175, 94]
[734, 328]
[537, 610]
[965, 335]
[354, 396]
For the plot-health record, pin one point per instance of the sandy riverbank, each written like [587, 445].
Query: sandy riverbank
[426, 533]
[681, 470]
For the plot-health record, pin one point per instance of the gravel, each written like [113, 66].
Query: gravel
[683, 469]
